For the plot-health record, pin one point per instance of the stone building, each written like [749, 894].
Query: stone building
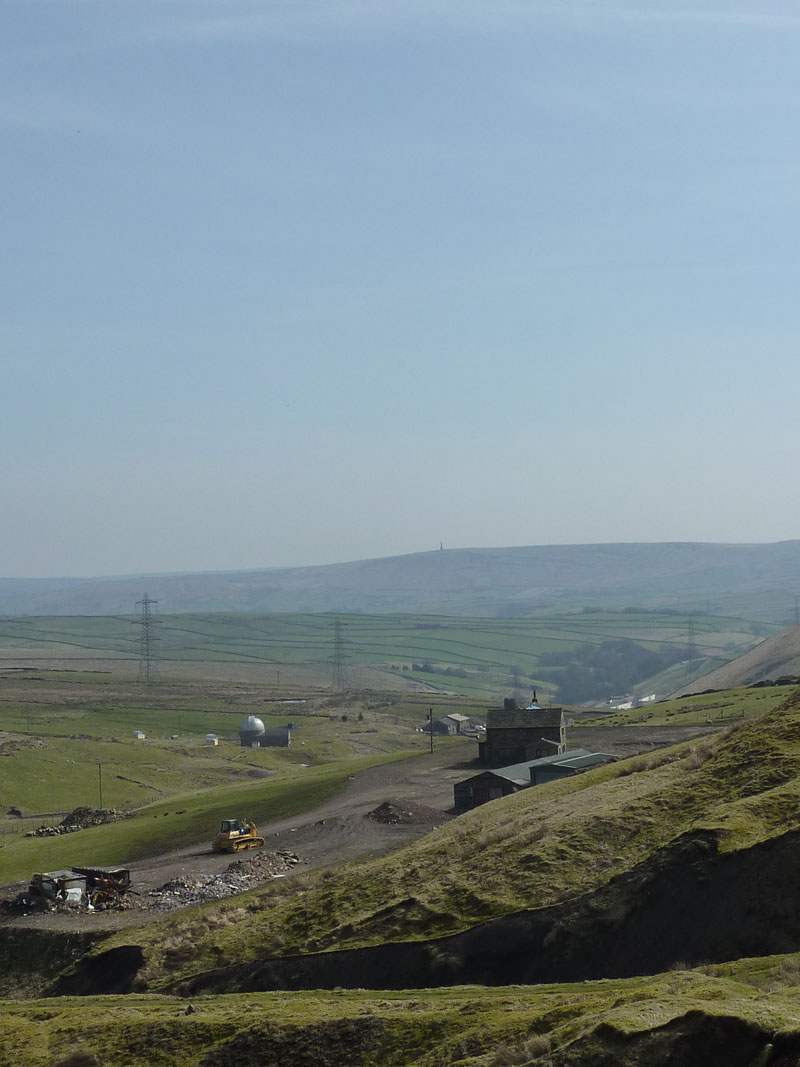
[514, 735]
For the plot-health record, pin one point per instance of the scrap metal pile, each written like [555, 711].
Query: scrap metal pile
[90, 888]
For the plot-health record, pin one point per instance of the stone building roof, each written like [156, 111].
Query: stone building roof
[520, 718]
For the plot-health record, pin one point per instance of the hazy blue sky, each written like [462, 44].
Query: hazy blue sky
[299, 282]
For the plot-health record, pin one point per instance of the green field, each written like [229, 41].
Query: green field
[471, 657]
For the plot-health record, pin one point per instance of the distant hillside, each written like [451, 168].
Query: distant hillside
[776, 657]
[756, 581]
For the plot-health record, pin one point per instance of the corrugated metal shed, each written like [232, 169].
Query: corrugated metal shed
[501, 781]
[521, 772]
[581, 761]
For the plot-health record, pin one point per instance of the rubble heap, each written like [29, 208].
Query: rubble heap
[237, 877]
[406, 813]
[80, 819]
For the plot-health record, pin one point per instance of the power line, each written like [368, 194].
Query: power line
[148, 670]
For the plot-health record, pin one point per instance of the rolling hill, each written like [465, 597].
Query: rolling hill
[756, 581]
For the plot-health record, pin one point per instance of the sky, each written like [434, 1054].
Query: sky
[301, 282]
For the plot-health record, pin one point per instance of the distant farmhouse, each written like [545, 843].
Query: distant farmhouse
[493, 784]
[514, 735]
[455, 723]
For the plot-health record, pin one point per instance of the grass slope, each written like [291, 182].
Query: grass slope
[703, 709]
[691, 1018]
[540, 847]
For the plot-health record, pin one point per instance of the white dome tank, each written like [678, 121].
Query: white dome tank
[252, 725]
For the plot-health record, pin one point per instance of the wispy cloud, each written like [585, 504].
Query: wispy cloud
[202, 22]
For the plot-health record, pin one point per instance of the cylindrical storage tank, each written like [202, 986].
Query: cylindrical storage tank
[251, 730]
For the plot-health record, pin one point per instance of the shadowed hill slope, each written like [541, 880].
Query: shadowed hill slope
[741, 1016]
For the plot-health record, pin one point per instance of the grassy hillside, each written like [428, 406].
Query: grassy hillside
[739, 1017]
[718, 708]
[536, 849]
[471, 657]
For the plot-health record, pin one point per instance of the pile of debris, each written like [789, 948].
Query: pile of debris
[406, 813]
[79, 819]
[238, 876]
[91, 888]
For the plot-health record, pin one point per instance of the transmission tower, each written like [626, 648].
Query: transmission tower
[148, 670]
[692, 646]
[338, 657]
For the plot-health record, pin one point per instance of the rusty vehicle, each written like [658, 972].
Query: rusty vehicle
[236, 835]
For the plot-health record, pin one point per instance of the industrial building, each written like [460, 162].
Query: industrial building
[503, 781]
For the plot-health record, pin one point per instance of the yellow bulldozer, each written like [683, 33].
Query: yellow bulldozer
[235, 835]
